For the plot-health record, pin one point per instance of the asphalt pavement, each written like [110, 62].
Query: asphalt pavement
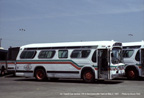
[21, 87]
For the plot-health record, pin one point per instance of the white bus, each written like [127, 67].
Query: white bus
[8, 60]
[133, 54]
[87, 60]
[3, 64]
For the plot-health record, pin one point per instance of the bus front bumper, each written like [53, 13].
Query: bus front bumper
[20, 74]
[119, 73]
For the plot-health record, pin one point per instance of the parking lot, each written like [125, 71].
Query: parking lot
[21, 87]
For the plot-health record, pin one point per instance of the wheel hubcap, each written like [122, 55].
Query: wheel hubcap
[39, 75]
[3, 72]
[88, 76]
[131, 74]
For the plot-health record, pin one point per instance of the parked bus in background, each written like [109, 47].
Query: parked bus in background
[133, 53]
[11, 60]
[87, 60]
[3, 64]
[8, 60]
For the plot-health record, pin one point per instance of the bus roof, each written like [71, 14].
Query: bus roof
[140, 43]
[134, 44]
[69, 44]
[3, 50]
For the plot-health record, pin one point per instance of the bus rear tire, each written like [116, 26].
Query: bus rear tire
[2, 71]
[40, 74]
[88, 76]
[132, 74]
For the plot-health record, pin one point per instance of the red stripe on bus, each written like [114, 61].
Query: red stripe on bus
[50, 63]
[11, 63]
[2, 63]
[140, 67]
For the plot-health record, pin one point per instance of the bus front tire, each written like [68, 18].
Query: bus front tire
[88, 76]
[40, 74]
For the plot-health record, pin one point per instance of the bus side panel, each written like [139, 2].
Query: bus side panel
[52, 70]
[11, 67]
[63, 70]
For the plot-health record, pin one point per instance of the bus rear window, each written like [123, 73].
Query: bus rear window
[28, 54]
[3, 55]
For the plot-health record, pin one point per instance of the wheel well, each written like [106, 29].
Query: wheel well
[132, 67]
[2, 67]
[87, 68]
[39, 67]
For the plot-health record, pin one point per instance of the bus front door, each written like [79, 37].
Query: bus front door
[103, 64]
[142, 61]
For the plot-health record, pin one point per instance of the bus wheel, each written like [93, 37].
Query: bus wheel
[2, 72]
[88, 76]
[131, 74]
[40, 74]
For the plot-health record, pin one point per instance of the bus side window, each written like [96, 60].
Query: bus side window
[94, 57]
[76, 54]
[80, 53]
[63, 53]
[28, 54]
[47, 54]
[85, 53]
[127, 53]
[137, 57]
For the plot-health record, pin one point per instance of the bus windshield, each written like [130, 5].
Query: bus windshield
[117, 55]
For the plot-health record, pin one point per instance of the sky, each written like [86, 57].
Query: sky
[47, 21]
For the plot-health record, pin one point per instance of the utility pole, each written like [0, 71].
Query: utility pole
[0, 41]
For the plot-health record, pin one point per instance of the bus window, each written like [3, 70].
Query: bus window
[127, 53]
[63, 53]
[137, 57]
[117, 55]
[94, 57]
[80, 53]
[47, 54]
[3, 55]
[85, 53]
[28, 54]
